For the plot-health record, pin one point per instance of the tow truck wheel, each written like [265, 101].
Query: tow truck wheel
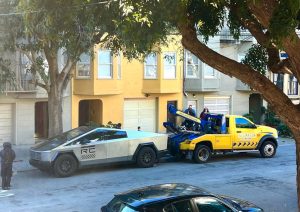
[65, 165]
[202, 154]
[267, 149]
[146, 157]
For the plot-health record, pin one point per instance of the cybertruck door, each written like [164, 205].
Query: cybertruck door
[91, 149]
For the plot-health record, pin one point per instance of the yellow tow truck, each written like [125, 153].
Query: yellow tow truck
[220, 133]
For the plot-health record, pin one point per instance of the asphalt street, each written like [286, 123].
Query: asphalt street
[269, 183]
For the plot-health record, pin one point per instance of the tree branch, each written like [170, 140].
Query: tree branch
[263, 11]
[243, 72]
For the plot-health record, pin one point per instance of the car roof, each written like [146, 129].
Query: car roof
[156, 193]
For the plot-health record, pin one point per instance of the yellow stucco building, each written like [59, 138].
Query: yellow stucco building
[134, 93]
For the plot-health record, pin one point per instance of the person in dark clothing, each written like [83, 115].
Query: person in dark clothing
[188, 123]
[7, 157]
[190, 111]
[203, 113]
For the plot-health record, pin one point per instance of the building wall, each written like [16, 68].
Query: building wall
[23, 131]
[132, 86]
[239, 100]
[25, 122]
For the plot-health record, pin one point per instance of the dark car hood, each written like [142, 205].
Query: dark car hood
[241, 205]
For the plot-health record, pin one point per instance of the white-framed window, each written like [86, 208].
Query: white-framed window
[150, 66]
[104, 64]
[25, 66]
[169, 65]
[193, 65]
[83, 66]
[292, 85]
[119, 65]
[275, 78]
[209, 72]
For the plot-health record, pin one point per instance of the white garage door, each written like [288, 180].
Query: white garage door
[6, 121]
[140, 113]
[217, 104]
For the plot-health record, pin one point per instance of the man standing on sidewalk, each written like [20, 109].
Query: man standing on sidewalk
[7, 157]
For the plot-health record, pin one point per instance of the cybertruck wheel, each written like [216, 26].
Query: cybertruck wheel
[267, 149]
[65, 165]
[202, 154]
[146, 157]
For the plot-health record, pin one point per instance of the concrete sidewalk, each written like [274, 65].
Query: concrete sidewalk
[21, 162]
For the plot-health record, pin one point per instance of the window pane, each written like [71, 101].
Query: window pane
[170, 72]
[209, 71]
[211, 205]
[192, 71]
[104, 64]
[182, 206]
[111, 134]
[83, 65]
[169, 65]
[192, 65]
[150, 71]
[169, 59]
[83, 70]
[242, 123]
[151, 59]
[84, 58]
[104, 71]
[104, 57]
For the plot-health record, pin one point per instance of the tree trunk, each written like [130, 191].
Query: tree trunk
[296, 133]
[55, 101]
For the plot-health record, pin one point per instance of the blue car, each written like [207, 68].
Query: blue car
[176, 198]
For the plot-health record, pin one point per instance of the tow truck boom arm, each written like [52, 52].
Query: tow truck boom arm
[172, 109]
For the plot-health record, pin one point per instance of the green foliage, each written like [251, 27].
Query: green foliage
[238, 10]
[272, 120]
[108, 125]
[257, 58]
[249, 116]
[6, 75]
[208, 16]
[141, 25]
[56, 24]
[284, 20]
[283, 130]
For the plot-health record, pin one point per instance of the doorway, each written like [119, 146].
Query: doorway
[41, 120]
[171, 117]
[255, 105]
[90, 112]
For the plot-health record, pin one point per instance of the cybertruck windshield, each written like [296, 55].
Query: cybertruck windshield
[58, 140]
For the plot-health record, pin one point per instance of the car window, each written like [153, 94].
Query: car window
[227, 122]
[60, 139]
[95, 136]
[180, 206]
[208, 204]
[115, 134]
[119, 206]
[243, 123]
